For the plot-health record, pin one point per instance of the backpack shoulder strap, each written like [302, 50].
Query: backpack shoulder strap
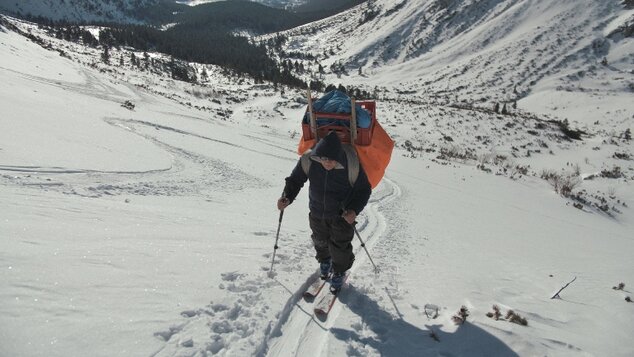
[306, 161]
[353, 163]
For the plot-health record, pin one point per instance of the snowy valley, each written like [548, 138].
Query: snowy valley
[138, 211]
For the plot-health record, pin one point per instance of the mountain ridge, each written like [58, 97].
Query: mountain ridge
[146, 11]
[418, 38]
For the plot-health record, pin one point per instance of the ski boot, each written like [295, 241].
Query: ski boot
[324, 268]
[336, 282]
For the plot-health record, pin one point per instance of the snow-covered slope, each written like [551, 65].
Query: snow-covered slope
[148, 230]
[480, 51]
[271, 3]
[123, 11]
[78, 10]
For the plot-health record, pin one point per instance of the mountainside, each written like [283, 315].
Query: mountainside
[295, 5]
[160, 11]
[138, 190]
[282, 4]
[466, 48]
[124, 11]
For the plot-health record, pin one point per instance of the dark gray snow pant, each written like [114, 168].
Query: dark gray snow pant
[332, 238]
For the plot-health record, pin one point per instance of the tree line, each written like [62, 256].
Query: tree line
[206, 34]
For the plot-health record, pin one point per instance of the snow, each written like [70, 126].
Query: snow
[74, 10]
[271, 3]
[619, 21]
[150, 231]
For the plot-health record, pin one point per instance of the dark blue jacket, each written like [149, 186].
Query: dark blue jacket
[329, 191]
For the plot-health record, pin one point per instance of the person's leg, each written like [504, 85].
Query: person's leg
[340, 245]
[320, 237]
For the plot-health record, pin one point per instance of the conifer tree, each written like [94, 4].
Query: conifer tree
[105, 56]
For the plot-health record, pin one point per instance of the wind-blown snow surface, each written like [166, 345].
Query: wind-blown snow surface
[150, 232]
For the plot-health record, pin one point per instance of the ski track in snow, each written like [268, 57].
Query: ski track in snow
[92, 86]
[164, 181]
[300, 333]
[244, 323]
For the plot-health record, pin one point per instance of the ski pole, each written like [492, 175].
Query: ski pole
[376, 269]
[277, 237]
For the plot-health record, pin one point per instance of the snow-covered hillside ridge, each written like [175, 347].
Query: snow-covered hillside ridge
[147, 230]
[272, 3]
[78, 10]
[138, 211]
[459, 64]
[477, 50]
[118, 11]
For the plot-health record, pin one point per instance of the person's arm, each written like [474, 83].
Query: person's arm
[360, 194]
[294, 184]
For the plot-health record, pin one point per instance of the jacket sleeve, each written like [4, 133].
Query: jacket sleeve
[295, 182]
[360, 192]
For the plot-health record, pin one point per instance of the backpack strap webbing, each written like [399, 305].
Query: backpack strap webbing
[353, 163]
[351, 157]
[306, 161]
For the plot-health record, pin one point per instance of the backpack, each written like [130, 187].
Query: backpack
[351, 157]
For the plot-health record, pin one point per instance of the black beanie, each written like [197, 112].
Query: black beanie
[329, 146]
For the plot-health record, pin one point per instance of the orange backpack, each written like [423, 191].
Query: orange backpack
[373, 145]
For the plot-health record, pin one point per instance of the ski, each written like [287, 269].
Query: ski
[327, 300]
[313, 290]
[325, 303]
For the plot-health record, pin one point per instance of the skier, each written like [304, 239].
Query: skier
[334, 203]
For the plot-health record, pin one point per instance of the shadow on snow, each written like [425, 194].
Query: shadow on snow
[397, 337]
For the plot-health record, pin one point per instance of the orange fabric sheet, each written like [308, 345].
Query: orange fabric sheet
[374, 157]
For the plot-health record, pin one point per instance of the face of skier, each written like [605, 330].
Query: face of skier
[327, 163]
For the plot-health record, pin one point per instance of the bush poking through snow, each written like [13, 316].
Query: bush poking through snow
[128, 105]
[569, 134]
[562, 184]
[519, 169]
[484, 168]
[455, 152]
[548, 174]
[614, 173]
[567, 184]
[621, 156]
[621, 286]
[511, 316]
[496, 314]
[461, 317]
[628, 299]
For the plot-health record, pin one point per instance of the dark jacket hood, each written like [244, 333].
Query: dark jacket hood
[330, 147]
